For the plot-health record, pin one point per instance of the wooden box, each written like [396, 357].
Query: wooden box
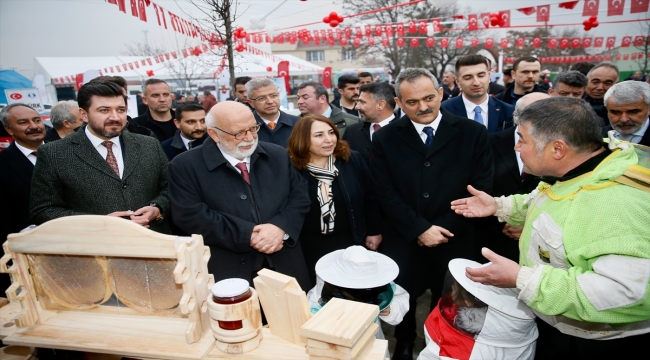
[131, 319]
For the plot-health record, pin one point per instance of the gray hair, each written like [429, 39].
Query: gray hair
[565, 118]
[571, 78]
[257, 83]
[319, 88]
[412, 74]
[380, 91]
[628, 92]
[4, 113]
[63, 110]
[210, 120]
[604, 64]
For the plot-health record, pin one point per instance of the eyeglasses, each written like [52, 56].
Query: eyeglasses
[263, 99]
[240, 135]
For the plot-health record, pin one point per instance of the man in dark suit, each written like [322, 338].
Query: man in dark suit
[160, 117]
[348, 87]
[509, 179]
[313, 100]
[65, 120]
[601, 77]
[190, 121]
[449, 87]
[17, 163]
[102, 169]
[419, 164]
[628, 108]
[525, 72]
[275, 125]
[376, 106]
[475, 102]
[243, 197]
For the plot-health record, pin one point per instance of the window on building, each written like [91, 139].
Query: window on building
[316, 56]
[349, 55]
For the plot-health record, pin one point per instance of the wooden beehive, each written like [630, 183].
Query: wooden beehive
[342, 329]
[177, 331]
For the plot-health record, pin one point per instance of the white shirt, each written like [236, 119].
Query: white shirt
[470, 106]
[234, 161]
[328, 112]
[636, 136]
[27, 152]
[434, 124]
[519, 162]
[269, 121]
[103, 151]
[381, 123]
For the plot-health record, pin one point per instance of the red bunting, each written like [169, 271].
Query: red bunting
[474, 42]
[639, 6]
[543, 13]
[504, 43]
[400, 29]
[639, 40]
[504, 18]
[552, 43]
[415, 42]
[520, 42]
[422, 27]
[436, 24]
[575, 43]
[591, 8]
[527, 10]
[472, 22]
[485, 18]
[412, 27]
[537, 41]
[430, 42]
[564, 43]
[400, 42]
[611, 40]
[598, 42]
[489, 43]
[586, 42]
[615, 7]
[627, 40]
[460, 42]
[569, 5]
[444, 43]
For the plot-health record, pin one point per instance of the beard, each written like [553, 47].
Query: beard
[628, 127]
[103, 131]
[236, 151]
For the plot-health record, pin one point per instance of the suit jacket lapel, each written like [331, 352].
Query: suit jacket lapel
[505, 149]
[410, 136]
[365, 131]
[445, 132]
[459, 106]
[21, 166]
[131, 158]
[494, 115]
[85, 151]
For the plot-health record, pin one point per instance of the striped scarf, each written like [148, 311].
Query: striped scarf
[325, 178]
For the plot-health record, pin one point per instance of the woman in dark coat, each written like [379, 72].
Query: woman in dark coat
[343, 207]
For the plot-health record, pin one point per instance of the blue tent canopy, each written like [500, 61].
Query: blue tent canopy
[10, 79]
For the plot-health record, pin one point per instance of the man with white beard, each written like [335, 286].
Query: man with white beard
[243, 197]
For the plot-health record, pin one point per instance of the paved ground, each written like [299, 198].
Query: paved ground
[421, 313]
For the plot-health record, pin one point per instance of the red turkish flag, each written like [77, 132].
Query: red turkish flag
[385, 42]
[430, 42]
[568, 5]
[615, 7]
[357, 31]
[472, 22]
[283, 71]
[591, 8]
[415, 42]
[327, 77]
[412, 27]
[400, 29]
[639, 6]
[503, 43]
[520, 42]
[371, 41]
[460, 42]
[639, 40]
[586, 43]
[598, 42]
[618, 57]
[436, 24]
[444, 43]
[611, 41]
[148, 61]
[356, 42]
[343, 41]
[537, 41]
[564, 43]
[348, 32]
[575, 43]
[485, 18]
[378, 30]
[552, 43]
[489, 43]
[633, 56]
[543, 13]
[474, 42]
[137, 64]
[131, 66]
[134, 8]
[330, 42]
[389, 31]
[627, 40]
[79, 81]
[527, 10]
[422, 27]
[121, 5]
[505, 18]
[142, 10]
[367, 30]
[400, 42]
[626, 57]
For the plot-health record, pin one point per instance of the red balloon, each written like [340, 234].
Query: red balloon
[340, 18]
[334, 15]
[334, 23]
[269, 69]
[149, 72]
[326, 19]
[240, 47]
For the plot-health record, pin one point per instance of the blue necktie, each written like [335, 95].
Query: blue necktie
[477, 115]
[429, 131]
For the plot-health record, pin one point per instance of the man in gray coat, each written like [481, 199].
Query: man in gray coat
[313, 100]
[101, 169]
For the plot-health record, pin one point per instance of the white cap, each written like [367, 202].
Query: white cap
[230, 288]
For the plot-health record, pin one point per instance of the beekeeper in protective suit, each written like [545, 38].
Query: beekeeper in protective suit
[476, 321]
[361, 275]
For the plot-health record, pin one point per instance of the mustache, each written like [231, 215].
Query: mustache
[427, 111]
[34, 131]
[198, 131]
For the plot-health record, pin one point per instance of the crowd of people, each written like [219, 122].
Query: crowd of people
[413, 170]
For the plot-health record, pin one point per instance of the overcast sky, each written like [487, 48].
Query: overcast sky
[32, 28]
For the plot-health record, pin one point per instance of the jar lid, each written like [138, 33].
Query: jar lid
[230, 288]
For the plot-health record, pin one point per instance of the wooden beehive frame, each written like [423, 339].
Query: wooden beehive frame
[100, 329]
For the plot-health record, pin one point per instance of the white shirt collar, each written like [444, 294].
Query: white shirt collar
[434, 124]
[517, 154]
[27, 152]
[381, 123]
[98, 142]
[270, 121]
[642, 130]
[234, 161]
[470, 106]
[328, 112]
[186, 142]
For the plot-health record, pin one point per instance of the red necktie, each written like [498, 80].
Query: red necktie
[110, 157]
[244, 172]
[272, 125]
[376, 127]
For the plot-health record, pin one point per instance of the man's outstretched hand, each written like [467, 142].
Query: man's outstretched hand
[479, 205]
[501, 273]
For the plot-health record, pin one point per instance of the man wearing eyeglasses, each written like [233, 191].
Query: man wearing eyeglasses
[275, 125]
[222, 190]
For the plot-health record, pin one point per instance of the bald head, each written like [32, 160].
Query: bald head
[529, 99]
[232, 125]
[228, 113]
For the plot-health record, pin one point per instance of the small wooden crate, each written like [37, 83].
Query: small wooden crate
[342, 329]
[107, 329]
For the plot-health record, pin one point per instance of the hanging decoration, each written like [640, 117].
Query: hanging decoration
[333, 19]
[590, 23]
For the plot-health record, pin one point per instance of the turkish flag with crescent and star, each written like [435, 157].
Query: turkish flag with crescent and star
[505, 16]
[611, 41]
[627, 40]
[485, 17]
[537, 41]
[283, 72]
[586, 42]
[472, 21]
[552, 43]
[591, 8]
[639, 6]
[327, 77]
[564, 43]
[543, 13]
[489, 42]
[436, 24]
[598, 42]
[615, 7]
[639, 40]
